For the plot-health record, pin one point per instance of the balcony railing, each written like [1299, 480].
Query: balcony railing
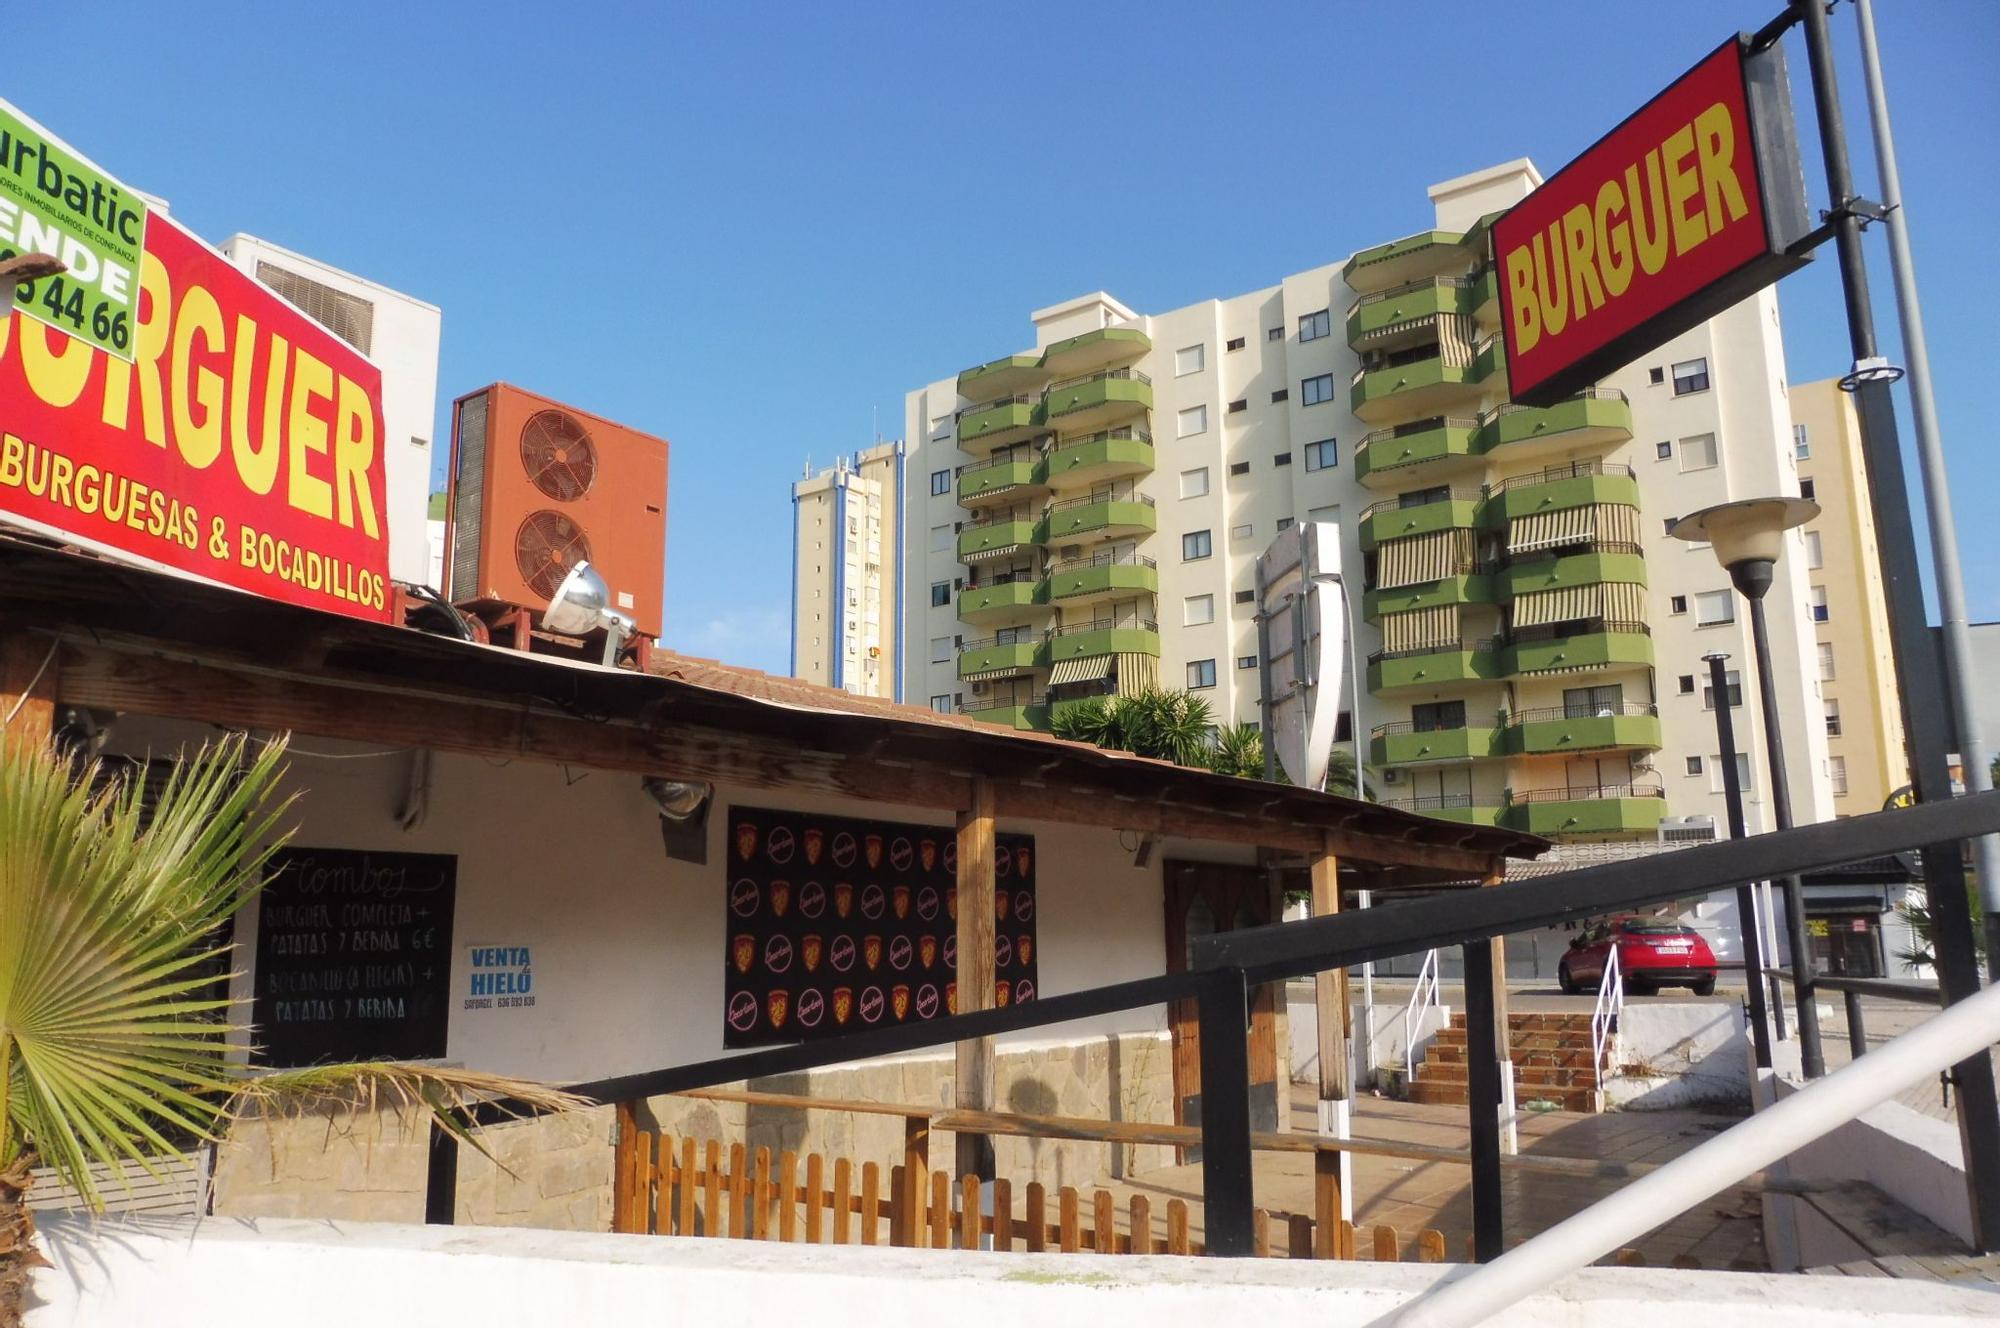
[995, 404]
[996, 460]
[1415, 427]
[1560, 631]
[1568, 471]
[1125, 433]
[1579, 710]
[1474, 645]
[1098, 377]
[995, 518]
[1412, 726]
[1522, 561]
[986, 704]
[1588, 793]
[1144, 500]
[1421, 283]
[1100, 560]
[1453, 495]
[994, 642]
[1439, 803]
[1075, 629]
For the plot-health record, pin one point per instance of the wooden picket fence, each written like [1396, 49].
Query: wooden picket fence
[688, 1187]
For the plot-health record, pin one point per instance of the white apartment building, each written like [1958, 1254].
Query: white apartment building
[400, 334]
[847, 554]
[1088, 511]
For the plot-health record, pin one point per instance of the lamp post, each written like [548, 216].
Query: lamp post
[1746, 895]
[1747, 536]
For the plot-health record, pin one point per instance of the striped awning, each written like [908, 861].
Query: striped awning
[1624, 601]
[1418, 629]
[987, 555]
[1540, 607]
[990, 674]
[1550, 530]
[1618, 523]
[1416, 559]
[1085, 668]
[1137, 672]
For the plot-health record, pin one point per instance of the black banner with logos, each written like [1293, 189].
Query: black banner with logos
[836, 925]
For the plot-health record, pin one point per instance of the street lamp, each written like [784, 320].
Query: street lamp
[1748, 535]
[1746, 897]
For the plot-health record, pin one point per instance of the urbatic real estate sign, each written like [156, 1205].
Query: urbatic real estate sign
[1693, 203]
[157, 403]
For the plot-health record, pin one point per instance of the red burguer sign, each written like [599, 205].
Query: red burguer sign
[1687, 207]
[243, 443]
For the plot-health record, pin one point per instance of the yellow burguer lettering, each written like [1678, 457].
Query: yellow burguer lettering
[199, 441]
[1580, 251]
[1715, 145]
[1614, 240]
[305, 490]
[353, 453]
[1521, 293]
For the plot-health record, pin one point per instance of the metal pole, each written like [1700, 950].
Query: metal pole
[441, 1178]
[1266, 723]
[1946, 574]
[1482, 1097]
[1227, 1188]
[1857, 1030]
[1902, 581]
[1746, 895]
[1811, 1059]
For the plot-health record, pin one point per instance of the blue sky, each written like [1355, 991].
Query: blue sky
[752, 227]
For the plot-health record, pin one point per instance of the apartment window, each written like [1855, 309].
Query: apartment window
[1282, 394]
[1190, 359]
[1690, 376]
[1687, 684]
[1584, 702]
[1694, 765]
[942, 703]
[1316, 389]
[1656, 375]
[1284, 523]
[1836, 772]
[1314, 326]
[1433, 716]
[941, 539]
[940, 482]
[940, 650]
[1194, 483]
[1817, 603]
[1808, 490]
[1814, 559]
[1193, 420]
[1732, 683]
[1826, 661]
[1322, 455]
[940, 594]
[1196, 544]
[1282, 459]
[1246, 597]
[1832, 717]
[1699, 452]
[1801, 448]
[1238, 534]
[1239, 467]
[1714, 607]
[1200, 674]
[1677, 604]
[1197, 610]
[1234, 343]
[1246, 661]
[1274, 334]
[1663, 450]
[1743, 772]
[1239, 405]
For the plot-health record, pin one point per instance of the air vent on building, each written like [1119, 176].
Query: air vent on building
[467, 505]
[348, 317]
[558, 455]
[546, 547]
[1687, 829]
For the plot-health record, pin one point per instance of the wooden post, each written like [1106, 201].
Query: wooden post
[1332, 1172]
[29, 671]
[843, 1200]
[968, 1213]
[1142, 1225]
[760, 1200]
[627, 1121]
[1104, 1222]
[1035, 1217]
[908, 1195]
[711, 1191]
[687, 1227]
[1003, 1214]
[871, 1199]
[1177, 1226]
[976, 924]
[940, 1210]
[788, 1191]
[815, 1199]
[1299, 1237]
[1071, 1235]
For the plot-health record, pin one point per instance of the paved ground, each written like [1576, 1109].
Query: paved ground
[1410, 1196]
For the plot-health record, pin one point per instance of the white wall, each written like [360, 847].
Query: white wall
[1678, 1054]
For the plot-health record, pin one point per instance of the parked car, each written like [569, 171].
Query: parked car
[1652, 953]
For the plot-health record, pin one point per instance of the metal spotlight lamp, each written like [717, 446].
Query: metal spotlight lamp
[582, 603]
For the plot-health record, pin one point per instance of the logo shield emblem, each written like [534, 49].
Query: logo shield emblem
[743, 952]
[871, 952]
[871, 849]
[809, 951]
[777, 1003]
[927, 853]
[1003, 991]
[781, 897]
[899, 900]
[927, 950]
[899, 1001]
[815, 841]
[1024, 949]
[843, 1004]
[843, 899]
[746, 841]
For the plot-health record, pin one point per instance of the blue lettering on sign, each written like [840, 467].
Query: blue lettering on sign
[505, 972]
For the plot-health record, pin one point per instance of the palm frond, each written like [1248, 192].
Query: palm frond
[444, 1093]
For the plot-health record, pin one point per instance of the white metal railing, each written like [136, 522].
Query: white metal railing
[1820, 1107]
[1422, 1001]
[1604, 1018]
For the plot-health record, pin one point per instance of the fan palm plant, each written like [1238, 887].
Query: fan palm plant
[114, 1049]
[1238, 751]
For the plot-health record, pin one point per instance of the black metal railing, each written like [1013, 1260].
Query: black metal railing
[1087, 500]
[991, 703]
[1526, 560]
[1107, 625]
[1476, 645]
[995, 404]
[1124, 433]
[1449, 495]
[1550, 474]
[1100, 376]
[994, 518]
[1438, 803]
[1588, 793]
[1396, 726]
[1100, 560]
[995, 461]
[1579, 710]
[1409, 287]
[1522, 636]
[1588, 394]
[993, 642]
[1415, 427]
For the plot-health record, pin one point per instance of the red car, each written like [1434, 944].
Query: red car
[1652, 953]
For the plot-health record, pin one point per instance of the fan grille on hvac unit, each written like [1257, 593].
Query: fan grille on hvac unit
[559, 457]
[546, 547]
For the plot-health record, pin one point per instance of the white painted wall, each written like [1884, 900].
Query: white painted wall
[1679, 1054]
[333, 1275]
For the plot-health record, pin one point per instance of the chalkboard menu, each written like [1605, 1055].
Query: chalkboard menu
[838, 925]
[353, 956]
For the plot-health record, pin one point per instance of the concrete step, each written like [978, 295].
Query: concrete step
[1522, 1042]
[1537, 1023]
[1542, 1076]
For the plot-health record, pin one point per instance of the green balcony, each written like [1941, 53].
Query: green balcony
[1398, 744]
[985, 483]
[1598, 417]
[1403, 312]
[1486, 297]
[1007, 715]
[1009, 376]
[1581, 484]
[998, 423]
[1407, 454]
[1425, 254]
[1098, 401]
[1426, 386]
[1470, 589]
[1391, 520]
[1554, 731]
[1099, 458]
[1616, 645]
[997, 603]
[1092, 351]
[1458, 808]
[1527, 576]
[1085, 520]
[987, 536]
[1585, 812]
[1087, 580]
[1478, 661]
[986, 657]
[1087, 640]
